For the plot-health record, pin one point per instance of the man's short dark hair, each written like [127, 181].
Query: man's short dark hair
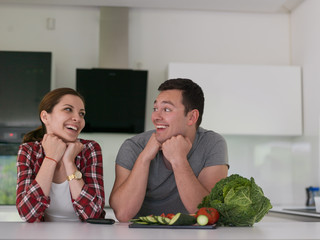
[192, 94]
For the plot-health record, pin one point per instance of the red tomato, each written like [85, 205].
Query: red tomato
[170, 215]
[211, 213]
[162, 215]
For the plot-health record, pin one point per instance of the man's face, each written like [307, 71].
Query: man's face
[168, 115]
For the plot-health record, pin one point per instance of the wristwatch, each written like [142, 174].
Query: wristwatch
[77, 175]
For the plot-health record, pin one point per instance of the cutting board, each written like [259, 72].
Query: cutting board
[134, 225]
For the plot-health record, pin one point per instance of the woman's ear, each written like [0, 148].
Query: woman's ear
[193, 117]
[44, 116]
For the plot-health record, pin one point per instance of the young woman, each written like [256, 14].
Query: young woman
[60, 177]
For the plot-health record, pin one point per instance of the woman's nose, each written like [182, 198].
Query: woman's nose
[75, 117]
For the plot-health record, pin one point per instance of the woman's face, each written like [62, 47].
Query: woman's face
[66, 119]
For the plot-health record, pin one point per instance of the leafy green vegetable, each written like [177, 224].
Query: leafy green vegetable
[239, 201]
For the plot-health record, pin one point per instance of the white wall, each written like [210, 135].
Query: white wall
[305, 21]
[306, 52]
[74, 42]
[158, 37]
[283, 166]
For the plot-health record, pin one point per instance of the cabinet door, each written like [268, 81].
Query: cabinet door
[247, 99]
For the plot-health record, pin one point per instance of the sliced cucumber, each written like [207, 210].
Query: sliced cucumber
[202, 220]
[141, 222]
[167, 220]
[143, 219]
[151, 219]
[135, 220]
[182, 219]
[161, 220]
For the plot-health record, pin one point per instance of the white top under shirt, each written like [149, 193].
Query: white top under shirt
[61, 208]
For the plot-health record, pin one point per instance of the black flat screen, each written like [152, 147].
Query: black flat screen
[115, 99]
[25, 77]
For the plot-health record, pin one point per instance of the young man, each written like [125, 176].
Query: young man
[170, 169]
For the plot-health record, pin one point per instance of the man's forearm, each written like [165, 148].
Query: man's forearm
[126, 199]
[190, 189]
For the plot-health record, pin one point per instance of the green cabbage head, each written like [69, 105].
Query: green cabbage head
[239, 201]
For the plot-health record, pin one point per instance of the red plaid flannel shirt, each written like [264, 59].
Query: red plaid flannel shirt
[31, 202]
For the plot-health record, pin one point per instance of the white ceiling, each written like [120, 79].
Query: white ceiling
[259, 6]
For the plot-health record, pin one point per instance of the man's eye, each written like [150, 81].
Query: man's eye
[155, 109]
[167, 110]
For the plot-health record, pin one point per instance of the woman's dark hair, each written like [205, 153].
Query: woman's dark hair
[192, 94]
[48, 102]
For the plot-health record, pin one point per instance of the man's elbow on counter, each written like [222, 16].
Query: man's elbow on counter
[122, 216]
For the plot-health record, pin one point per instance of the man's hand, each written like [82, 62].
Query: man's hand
[152, 148]
[176, 149]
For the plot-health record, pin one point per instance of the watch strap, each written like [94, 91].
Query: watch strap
[76, 175]
[71, 177]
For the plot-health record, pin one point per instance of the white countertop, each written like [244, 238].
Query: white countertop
[262, 230]
[270, 227]
[297, 210]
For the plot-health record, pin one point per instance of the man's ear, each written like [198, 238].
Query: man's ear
[193, 117]
[44, 116]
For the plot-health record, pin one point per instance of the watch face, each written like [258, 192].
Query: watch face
[78, 175]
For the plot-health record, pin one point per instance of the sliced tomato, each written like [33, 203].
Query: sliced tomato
[211, 213]
[170, 215]
[162, 215]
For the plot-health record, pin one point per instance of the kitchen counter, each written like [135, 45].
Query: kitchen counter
[300, 213]
[59, 230]
[271, 227]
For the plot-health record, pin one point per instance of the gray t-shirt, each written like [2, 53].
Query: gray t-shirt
[162, 196]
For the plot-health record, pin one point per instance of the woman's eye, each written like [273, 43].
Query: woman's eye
[82, 114]
[68, 109]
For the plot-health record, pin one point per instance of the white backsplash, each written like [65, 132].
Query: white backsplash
[282, 166]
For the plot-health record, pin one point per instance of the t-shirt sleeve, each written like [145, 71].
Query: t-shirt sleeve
[128, 154]
[217, 152]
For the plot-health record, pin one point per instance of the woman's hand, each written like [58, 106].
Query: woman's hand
[73, 149]
[53, 146]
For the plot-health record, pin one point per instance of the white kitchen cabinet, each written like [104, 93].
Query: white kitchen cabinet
[247, 99]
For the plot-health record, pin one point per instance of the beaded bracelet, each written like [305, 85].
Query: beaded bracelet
[52, 159]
